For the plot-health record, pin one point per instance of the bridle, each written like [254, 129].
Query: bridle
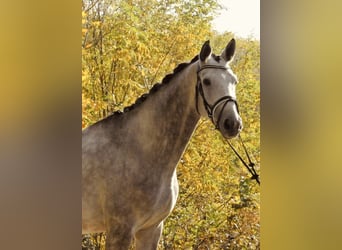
[211, 109]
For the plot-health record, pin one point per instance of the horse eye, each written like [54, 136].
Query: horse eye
[206, 82]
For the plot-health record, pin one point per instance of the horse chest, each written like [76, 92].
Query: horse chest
[161, 205]
[168, 196]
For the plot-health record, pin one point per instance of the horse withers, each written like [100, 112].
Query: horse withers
[129, 159]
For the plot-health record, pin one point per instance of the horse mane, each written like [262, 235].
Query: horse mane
[155, 87]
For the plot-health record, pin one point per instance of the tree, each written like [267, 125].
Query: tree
[129, 45]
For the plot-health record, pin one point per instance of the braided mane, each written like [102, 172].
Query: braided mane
[157, 86]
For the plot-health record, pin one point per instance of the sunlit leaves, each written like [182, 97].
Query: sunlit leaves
[128, 43]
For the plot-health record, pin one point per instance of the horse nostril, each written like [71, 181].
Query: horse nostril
[228, 124]
[231, 124]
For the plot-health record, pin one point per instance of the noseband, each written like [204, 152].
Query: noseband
[211, 109]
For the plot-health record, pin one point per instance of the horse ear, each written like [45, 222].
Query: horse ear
[229, 51]
[205, 51]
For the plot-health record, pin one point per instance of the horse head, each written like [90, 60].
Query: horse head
[216, 84]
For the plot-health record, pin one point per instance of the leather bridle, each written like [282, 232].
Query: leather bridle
[211, 109]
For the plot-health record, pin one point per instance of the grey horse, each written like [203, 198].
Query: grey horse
[129, 159]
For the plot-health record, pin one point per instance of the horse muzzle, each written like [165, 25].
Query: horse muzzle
[227, 120]
[230, 127]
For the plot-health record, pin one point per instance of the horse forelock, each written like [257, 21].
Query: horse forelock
[216, 58]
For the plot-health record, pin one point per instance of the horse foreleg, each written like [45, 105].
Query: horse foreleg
[148, 239]
[118, 237]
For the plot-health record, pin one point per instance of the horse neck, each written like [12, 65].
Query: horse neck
[168, 118]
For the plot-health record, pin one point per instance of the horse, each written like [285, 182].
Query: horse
[129, 159]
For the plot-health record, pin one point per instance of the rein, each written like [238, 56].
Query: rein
[211, 112]
[250, 165]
